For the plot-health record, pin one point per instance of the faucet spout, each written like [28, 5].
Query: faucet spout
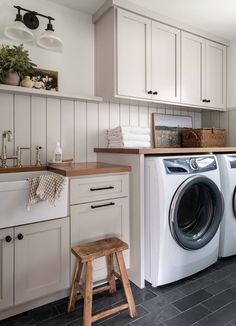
[6, 136]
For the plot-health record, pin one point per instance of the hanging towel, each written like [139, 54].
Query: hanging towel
[47, 187]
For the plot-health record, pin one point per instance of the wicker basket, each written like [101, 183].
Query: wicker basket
[203, 137]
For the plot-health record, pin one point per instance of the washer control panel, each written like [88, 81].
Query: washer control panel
[190, 165]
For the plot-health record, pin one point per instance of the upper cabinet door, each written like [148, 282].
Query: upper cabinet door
[133, 55]
[165, 63]
[216, 74]
[192, 69]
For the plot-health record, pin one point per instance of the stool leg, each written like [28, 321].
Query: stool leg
[74, 288]
[111, 276]
[88, 295]
[126, 284]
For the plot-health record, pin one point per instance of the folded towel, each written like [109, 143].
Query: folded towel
[128, 144]
[128, 130]
[135, 137]
[46, 187]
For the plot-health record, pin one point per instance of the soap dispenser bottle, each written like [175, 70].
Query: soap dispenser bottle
[57, 154]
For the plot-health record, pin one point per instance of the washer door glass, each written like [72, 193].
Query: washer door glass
[195, 213]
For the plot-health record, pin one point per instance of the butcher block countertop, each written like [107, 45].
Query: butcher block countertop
[167, 150]
[77, 169]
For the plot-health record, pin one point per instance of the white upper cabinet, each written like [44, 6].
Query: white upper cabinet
[203, 72]
[215, 75]
[165, 63]
[141, 59]
[133, 55]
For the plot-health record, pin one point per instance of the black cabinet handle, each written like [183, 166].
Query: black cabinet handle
[98, 206]
[149, 92]
[208, 101]
[155, 93]
[8, 238]
[20, 236]
[204, 100]
[104, 188]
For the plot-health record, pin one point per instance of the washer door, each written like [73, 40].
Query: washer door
[195, 212]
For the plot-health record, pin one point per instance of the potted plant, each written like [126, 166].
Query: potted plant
[15, 64]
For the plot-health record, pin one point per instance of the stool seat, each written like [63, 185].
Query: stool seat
[86, 253]
[96, 249]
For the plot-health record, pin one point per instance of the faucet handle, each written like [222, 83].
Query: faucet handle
[38, 160]
[18, 154]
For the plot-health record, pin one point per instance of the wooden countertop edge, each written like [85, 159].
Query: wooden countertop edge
[27, 168]
[167, 150]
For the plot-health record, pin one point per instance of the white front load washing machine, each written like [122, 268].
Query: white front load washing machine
[183, 211]
[227, 167]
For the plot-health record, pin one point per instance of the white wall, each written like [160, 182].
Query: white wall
[76, 63]
[231, 75]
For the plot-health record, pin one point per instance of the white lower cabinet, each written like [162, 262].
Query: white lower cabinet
[35, 263]
[101, 219]
[6, 267]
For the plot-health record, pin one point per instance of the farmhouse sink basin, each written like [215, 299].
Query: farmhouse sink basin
[14, 191]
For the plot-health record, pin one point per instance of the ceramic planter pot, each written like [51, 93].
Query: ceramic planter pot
[13, 79]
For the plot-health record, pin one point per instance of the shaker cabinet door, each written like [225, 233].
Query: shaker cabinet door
[192, 69]
[41, 259]
[165, 63]
[6, 267]
[133, 55]
[216, 75]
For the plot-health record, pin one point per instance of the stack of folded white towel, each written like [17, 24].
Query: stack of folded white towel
[129, 137]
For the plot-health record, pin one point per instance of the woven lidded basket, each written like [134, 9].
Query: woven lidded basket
[203, 137]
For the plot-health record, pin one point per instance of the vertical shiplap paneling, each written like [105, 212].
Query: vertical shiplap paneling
[143, 116]
[67, 128]
[197, 119]
[232, 129]
[215, 119]
[151, 110]
[92, 131]
[206, 119]
[38, 127]
[22, 126]
[224, 123]
[114, 115]
[134, 118]
[6, 120]
[124, 115]
[103, 123]
[53, 125]
[80, 131]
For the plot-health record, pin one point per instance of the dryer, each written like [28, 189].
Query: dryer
[183, 211]
[227, 167]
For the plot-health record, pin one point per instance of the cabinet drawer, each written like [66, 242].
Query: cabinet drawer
[103, 221]
[84, 190]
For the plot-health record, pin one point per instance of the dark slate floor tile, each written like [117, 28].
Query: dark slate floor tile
[220, 300]
[188, 317]
[163, 300]
[231, 323]
[220, 317]
[192, 300]
[157, 317]
[219, 275]
[62, 320]
[219, 286]
[196, 285]
[123, 318]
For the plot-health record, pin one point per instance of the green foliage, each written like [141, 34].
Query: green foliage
[15, 59]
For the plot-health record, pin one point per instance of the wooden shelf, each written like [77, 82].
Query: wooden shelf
[40, 92]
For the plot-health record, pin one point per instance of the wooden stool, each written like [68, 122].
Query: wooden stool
[85, 254]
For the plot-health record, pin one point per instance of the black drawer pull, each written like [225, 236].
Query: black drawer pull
[8, 238]
[105, 188]
[98, 206]
[20, 236]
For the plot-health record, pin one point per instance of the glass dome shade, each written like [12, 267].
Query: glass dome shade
[18, 32]
[48, 40]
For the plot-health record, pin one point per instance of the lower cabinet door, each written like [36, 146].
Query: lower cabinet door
[6, 267]
[42, 253]
[97, 220]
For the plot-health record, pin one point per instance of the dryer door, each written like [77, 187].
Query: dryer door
[195, 212]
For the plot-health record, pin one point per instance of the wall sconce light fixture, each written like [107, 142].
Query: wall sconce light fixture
[20, 30]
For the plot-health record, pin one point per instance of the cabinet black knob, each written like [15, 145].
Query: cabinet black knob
[155, 93]
[204, 100]
[8, 238]
[149, 92]
[208, 101]
[20, 236]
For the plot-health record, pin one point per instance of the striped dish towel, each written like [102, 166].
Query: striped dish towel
[47, 187]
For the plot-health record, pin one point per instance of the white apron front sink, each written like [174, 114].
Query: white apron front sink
[14, 192]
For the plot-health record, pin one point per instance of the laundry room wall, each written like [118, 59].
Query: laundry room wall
[78, 125]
